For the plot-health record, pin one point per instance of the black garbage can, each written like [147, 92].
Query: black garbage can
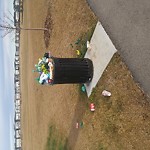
[72, 70]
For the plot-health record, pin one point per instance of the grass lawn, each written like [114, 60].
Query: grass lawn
[55, 140]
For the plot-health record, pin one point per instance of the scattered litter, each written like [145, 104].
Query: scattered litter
[92, 107]
[83, 88]
[106, 93]
[79, 124]
[78, 52]
[77, 41]
[88, 45]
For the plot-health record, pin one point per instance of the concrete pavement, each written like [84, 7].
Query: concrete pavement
[100, 52]
[128, 25]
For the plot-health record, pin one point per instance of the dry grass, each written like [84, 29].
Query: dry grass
[121, 121]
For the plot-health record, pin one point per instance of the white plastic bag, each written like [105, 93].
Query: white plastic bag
[106, 93]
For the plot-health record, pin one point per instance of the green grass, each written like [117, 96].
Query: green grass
[55, 140]
[93, 95]
[81, 42]
[101, 147]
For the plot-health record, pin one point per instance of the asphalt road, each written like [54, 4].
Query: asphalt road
[127, 22]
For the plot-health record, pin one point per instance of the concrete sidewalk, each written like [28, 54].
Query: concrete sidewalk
[101, 52]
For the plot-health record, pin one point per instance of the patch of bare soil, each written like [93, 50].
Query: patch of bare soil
[48, 26]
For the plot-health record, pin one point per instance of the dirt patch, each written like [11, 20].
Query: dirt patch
[48, 26]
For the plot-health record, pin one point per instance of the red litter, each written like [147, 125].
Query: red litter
[92, 107]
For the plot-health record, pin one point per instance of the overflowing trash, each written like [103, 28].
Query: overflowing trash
[45, 68]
